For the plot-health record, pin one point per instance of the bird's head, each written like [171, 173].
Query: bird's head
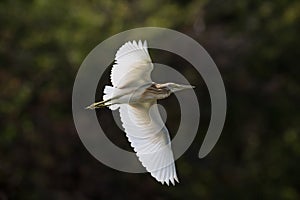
[173, 87]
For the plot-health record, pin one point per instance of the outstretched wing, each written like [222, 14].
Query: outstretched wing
[150, 139]
[132, 66]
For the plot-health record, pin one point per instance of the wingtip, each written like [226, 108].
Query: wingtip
[145, 44]
[170, 182]
[176, 179]
[134, 43]
[140, 44]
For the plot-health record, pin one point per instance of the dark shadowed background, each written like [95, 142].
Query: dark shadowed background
[255, 44]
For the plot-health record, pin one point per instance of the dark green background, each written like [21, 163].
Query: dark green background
[255, 44]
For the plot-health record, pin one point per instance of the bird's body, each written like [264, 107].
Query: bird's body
[135, 95]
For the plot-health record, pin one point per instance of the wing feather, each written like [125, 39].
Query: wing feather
[132, 66]
[150, 140]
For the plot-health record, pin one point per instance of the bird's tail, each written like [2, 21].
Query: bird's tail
[109, 93]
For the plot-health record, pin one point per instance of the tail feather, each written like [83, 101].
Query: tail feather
[108, 94]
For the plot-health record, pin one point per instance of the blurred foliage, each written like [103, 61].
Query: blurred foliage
[255, 45]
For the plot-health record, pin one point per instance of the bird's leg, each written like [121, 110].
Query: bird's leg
[100, 104]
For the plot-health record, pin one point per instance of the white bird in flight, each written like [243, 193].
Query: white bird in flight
[135, 95]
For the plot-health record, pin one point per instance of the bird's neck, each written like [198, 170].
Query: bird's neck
[159, 91]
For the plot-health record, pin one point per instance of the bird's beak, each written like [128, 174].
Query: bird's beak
[184, 87]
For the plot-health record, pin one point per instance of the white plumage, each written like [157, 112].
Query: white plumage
[135, 95]
[133, 65]
[149, 139]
